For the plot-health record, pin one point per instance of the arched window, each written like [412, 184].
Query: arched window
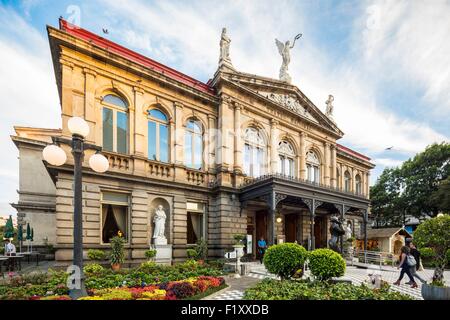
[313, 167]
[347, 181]
[254, 153]
[158, 136]
[358, 184]
[193, 143]
[286, 155]
[115, 124]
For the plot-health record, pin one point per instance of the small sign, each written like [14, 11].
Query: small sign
[230, 255]
[249, 244]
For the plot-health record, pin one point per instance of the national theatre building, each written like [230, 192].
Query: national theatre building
[240, 154]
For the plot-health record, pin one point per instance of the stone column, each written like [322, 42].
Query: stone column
[327, 164]
[66, 94]
[333, 166]
[89, 103]
[140, 124]
[237, 138]
[368, 185]
[225, 123]
[179, 134]
[302, 155]
[212, 136]
[273, 146]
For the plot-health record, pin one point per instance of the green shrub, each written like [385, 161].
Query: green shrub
[191, 253]
[270, 289]
[199, 252]
[93, 268]
[426, 253]
[285, 259]
[95, 254]
[434, 233]
[117, 253]
[151, 253]
[326, 263]
[147, 267]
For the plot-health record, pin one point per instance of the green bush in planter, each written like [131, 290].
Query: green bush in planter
[325, 264]
[285, 259]
[95, 254]
[117, 253]
[191, 253]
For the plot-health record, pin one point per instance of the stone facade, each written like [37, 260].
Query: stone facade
[88, 67]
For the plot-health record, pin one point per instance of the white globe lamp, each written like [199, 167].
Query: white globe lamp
[78, 126]
[98, 163]
[54, 155]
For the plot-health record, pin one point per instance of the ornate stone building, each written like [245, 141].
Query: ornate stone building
[241, 154]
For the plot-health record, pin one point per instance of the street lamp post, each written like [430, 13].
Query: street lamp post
[54, 155]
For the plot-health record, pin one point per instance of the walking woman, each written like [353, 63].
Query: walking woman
[413, 269]
[405, 267]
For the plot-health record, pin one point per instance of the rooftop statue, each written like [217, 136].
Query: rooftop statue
[284, 50]
[330, 107]
[225, 41]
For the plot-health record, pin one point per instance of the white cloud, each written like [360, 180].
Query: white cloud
[386, 162]
[28, 91]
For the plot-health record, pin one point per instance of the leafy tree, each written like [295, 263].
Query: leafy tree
[423, 175]
[441, 197]
[414, 188]
[435, 234]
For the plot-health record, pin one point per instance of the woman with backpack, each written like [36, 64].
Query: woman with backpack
[406, 262]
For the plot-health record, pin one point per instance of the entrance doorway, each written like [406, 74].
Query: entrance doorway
[290, 227]
[261, 225]
[320, 232]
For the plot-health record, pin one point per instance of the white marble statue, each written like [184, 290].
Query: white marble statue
[330, 107]
[160, 223]
[225, 49]
[348, 231]
[284, 50]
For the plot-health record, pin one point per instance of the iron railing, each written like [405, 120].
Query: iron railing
[253, 180]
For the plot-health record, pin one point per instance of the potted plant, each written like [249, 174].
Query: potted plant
[435, 234]
[238, 244]
[117, 255]
[150, 254]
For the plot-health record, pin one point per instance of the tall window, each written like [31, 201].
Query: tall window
[115, 124]
[254, 153]
[286, 156]
[158, 136]
[313, 167]
[338, 179]
[193, 144]
[195, 222]
[358, 184]
[115, 215]
[347, 181]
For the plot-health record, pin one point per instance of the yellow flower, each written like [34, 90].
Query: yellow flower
[91, 298]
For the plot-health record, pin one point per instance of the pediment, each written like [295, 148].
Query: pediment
[284, 96]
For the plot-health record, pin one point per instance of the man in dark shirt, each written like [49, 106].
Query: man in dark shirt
[415, 253]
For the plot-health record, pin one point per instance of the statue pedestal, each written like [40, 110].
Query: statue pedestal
[163, 253]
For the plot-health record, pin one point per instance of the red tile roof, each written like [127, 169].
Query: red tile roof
[133, 56]
[352, 152]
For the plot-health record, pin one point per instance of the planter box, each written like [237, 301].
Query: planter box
[430, 292]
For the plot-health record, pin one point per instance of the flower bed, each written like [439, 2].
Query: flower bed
[53, 284]
[318, 290]
[172, 290]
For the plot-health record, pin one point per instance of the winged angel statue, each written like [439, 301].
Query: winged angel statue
[284, 50]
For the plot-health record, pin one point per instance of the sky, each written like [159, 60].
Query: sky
[387, 63]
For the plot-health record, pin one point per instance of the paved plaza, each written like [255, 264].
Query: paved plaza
[356, 275]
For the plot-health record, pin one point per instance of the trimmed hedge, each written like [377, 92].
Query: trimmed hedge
[326, 263]
[285, 259]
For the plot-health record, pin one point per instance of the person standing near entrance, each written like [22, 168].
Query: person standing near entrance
[405, 267]
[262, 246]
